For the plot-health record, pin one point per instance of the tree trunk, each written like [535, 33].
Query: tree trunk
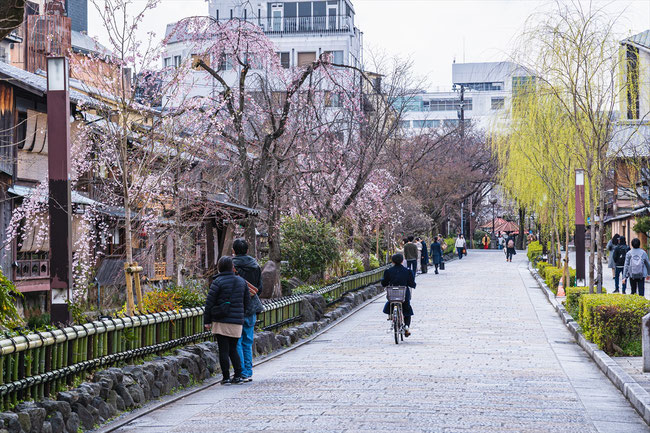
[601, 232]
[522, 228]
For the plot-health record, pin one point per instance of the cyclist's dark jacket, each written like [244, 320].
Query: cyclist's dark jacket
[398, 275]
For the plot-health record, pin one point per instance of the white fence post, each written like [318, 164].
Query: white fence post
[645, 341]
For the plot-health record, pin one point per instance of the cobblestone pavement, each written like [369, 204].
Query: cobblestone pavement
[487, 354]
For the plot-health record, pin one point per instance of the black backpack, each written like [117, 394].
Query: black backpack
[619, 255]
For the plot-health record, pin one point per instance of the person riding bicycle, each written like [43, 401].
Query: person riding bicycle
[398, 275]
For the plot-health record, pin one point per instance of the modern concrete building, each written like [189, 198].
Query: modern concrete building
[300, 30]
[486, 89]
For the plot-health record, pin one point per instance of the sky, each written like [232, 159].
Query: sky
[432, 33]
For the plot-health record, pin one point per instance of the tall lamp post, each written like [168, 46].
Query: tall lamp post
[579, 238]
[493, 200]
[60, 209]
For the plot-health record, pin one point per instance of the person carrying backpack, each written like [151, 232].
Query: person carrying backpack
[619, 254]
[637, 267]
[510, 249]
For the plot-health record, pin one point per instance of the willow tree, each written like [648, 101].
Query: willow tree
[537, 153]
[574, 53]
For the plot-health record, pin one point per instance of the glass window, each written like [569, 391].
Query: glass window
[177, 61]
[332, 99]
[522, 83]
[167, 62]
[483, 86]
[285, 60]
[336, 57]
[405, 124]
[498, 103]
[445, 104]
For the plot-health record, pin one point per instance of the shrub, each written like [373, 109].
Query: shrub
[309, 246]
[192, 294]
[613, 321]
[351, 262]
[534, 251]
[553, 275]
[156, 301]
[572, 302]
[374, 262]
[9, 317]
[541, 266]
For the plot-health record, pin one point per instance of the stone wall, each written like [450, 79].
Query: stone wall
[116, 390]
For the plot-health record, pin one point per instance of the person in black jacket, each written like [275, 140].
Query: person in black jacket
[619, 261]
[398, 275]
[248, 268]
[436, 253]
[227, 301]
[424, 259]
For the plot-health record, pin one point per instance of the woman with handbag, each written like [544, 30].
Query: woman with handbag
[436, 253]
[224, 315]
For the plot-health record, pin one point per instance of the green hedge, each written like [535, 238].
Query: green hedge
[450, 245]
[541, 267]
[534, 251]
[572, 302]
[613, 320]
[552, 276]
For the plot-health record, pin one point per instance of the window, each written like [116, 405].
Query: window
[167, 62]
[522, 83]
[196, 58]
[285, 59]
[3, 55]
[497, 103]
[177, 61]
[405, 124]
[305, 59]
[446, 104]
[425, 123]
[482, 86]
[451, 122]
[336, 57]
[333, 99]
[225, 63]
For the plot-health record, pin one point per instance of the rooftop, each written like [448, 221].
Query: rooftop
[642, 39]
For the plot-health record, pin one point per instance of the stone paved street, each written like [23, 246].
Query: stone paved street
[487, 354]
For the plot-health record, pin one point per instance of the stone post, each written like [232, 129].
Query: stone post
[645, 340]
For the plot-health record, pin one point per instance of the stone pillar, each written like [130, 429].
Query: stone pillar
[645, 341]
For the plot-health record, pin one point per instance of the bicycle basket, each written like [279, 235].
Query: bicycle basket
[396, 294]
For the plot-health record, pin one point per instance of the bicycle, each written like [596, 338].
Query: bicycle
[396, 295]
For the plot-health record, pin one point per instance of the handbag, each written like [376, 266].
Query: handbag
[442, 266]
[465, 251]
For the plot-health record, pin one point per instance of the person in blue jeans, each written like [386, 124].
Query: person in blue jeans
[248, 268]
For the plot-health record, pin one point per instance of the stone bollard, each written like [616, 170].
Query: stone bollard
[645, 341]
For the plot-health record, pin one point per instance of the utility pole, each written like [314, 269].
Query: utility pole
[461, 110]
[462, 218]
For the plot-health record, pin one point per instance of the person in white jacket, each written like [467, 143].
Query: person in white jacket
[460, 245]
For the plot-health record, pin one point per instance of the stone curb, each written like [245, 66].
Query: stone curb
[638, 397]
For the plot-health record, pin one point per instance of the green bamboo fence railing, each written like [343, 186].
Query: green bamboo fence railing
[36, 365]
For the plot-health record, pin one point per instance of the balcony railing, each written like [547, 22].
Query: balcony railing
[328, 24]
[36, 268]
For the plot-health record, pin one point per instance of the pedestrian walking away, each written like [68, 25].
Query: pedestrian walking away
[436, 253]
[619, 255]
[248, 268]
[411, 255]
[225, 306]
[398, 275]
[510, 249]
[424, 260]
[611, 245]
[637, 267]
[460, 246]
[418, 243]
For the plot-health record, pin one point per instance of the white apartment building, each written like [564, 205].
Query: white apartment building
[486, 90]
[301, 31]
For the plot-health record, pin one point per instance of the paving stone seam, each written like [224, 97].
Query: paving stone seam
[165, 401]
[638, 397]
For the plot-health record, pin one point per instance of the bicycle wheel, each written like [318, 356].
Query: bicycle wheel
[396, 324]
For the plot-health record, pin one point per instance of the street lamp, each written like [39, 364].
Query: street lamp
[493, 200]
[579, 238]
[58, 166]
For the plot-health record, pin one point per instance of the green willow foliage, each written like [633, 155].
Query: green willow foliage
[9, 317]
[309, 245]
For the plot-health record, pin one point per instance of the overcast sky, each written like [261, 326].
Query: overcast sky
[432, 32]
